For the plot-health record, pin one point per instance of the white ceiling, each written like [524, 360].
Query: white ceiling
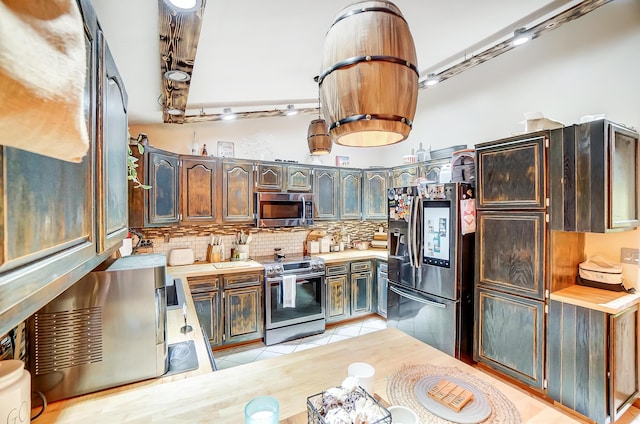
[260, 55]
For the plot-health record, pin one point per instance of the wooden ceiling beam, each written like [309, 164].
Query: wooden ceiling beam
[179, 35]
[207, 117]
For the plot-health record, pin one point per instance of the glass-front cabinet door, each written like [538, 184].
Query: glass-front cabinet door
[624, 176]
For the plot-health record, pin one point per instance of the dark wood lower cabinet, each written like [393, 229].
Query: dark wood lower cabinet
[349, 290]
[230, 312]
[592, 360]
[361, 288]
[243, 314]
[509, 335]
[337, 298]
[208, 311]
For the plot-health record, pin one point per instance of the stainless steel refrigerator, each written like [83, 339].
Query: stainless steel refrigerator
[431, 242]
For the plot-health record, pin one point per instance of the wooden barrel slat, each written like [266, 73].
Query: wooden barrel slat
[318, 137]
[373, 87]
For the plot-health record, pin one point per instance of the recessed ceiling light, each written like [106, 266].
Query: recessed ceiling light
[174, 111]
[431, 80]
[185, 5]
[176, 75]
[227, 114]
[520, 36]
[291, 110]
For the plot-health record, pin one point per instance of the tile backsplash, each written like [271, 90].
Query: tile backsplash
[263, 240]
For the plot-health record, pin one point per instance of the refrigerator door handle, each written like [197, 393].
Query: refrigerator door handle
[410, 236]
[403, 293]
[415, 221]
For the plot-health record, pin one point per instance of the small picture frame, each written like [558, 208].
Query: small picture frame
[225, 149]
[342, 160]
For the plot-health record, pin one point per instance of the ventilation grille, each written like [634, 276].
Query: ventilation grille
[67, 339]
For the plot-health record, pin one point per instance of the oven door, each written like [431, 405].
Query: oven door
[309, 301]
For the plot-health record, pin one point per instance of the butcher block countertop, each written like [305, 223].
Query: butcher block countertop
[607, 301]
[353, 254]
[207, 268]
[220, 397]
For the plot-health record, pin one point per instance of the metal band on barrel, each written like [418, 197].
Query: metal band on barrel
[371, 117]
[368, 9]
[359, 59]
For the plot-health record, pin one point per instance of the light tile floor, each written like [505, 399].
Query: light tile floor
[244, 354]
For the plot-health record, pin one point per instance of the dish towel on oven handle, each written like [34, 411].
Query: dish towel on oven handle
[289, 291]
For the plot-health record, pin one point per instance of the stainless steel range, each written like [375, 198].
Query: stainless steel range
[294, 297]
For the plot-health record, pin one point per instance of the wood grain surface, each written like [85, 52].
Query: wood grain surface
[601, 300]
[220, 397]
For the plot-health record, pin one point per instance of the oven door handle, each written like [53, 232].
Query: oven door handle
[301, 277]
[403, 293]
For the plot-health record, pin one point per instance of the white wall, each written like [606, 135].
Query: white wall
[584, 67]
[588, 66]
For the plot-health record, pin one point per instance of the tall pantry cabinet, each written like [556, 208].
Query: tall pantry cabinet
[514, 261]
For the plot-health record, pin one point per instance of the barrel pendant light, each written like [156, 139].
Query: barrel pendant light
[318, 138]
[318, 133]
[369, 76]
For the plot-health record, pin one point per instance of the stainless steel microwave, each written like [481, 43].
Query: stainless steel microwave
[284, 209]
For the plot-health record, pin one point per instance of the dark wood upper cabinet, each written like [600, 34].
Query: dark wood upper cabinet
[198, 188]
[594, 174]
[510, 248]
[163, 174]
[511, 173]
[374, 194]
[326, 194]
[111, 149]
[49, 228]
[404, 175]
[431, 169]
[237, 191]
[350, 194]
[299, 178]
[269, 177]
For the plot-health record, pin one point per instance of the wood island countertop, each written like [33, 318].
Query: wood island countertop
[220, 397]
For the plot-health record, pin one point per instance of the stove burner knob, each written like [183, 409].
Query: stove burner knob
[269, 270]
[279, 269]
[315, 265]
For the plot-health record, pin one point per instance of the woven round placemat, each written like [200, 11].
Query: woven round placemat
[400, 391]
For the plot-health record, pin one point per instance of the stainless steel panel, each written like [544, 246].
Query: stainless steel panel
[430, 319]
[112, 324]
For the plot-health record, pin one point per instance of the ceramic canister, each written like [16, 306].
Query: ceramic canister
[15, 392]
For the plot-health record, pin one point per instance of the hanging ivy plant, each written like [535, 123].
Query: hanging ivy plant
[132, 163]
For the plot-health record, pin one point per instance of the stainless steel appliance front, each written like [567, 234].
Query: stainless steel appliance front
[304, 314]
[284, 209]
[106, 330]
[430, 294]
